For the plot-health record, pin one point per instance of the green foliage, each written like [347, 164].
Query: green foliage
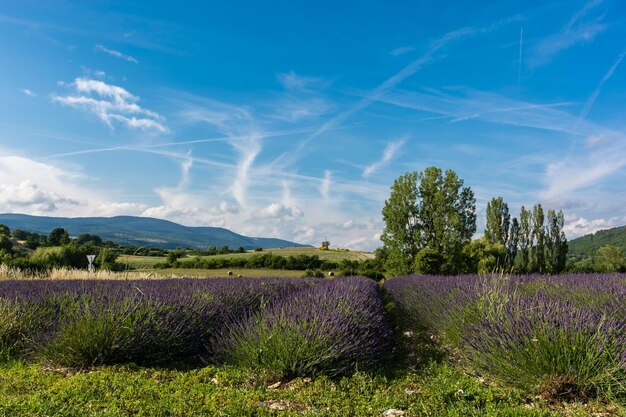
[428, 261]
[525, 240]
[67, 256]
[609, 259]
[88, 238]
[482, 256]
[438, 214]
[58, 237]
[325, 245]
[498, 222]
[5, 243]
[174, 255]
[401, 234]
[556, 244]
[586, 246]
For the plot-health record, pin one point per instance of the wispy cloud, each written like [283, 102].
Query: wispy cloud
[28, 92]
[401, 50]
[594, 96]
[389, 153]
[110, 103]
[292, 81]
[428, 57]
[576, 31]
[579, 169]
[240, 128]
[326, 183]
[116, 54]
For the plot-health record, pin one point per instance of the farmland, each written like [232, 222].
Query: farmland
[423, 345]
[148, 262]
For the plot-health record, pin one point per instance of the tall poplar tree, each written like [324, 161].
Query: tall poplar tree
[537, 251]
[498, 221]
[525, 239]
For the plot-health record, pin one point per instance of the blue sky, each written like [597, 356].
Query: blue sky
[281, 119]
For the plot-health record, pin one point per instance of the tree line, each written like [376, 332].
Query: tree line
[430, 220]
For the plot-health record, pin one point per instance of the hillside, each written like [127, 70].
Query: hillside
[143, 231]
[585, 246]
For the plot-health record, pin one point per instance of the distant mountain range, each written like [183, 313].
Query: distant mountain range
[143, 231]
[586, 246]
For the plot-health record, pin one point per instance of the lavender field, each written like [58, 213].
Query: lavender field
[562, 337]
[554, 339]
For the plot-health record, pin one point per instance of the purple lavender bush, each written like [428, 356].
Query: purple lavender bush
[333, 328]
[564, 336]
[85, 323]
[547, 344]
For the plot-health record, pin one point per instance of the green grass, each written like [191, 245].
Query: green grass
[438, 390]
[147, 262]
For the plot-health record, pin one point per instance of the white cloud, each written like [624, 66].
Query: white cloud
[111, 103]
[33, 187]
[292, 81]
[118, 209]
[240, 129]
[580, 226]
[594, 96]
[224, 208]
[389, 153]
[28, 92]
[116, 54]
[401, 51]
[326, 183]
[28, 195]
[277, 211]
[576, 31]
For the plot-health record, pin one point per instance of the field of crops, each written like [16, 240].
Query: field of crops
[498, 345]
[561, 337]
[147, 262]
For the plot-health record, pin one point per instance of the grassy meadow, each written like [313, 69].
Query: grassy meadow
[148, 262]
[415, 346]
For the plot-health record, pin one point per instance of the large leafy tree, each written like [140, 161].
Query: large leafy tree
[400, 237]
[437, 216]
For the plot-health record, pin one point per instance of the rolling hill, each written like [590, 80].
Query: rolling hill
[585, 246]
[142, 231]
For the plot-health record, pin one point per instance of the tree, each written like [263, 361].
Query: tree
[87, 238]
[4, 230]
[525, 239]
[325, 245]
[556, 243]
[498, 222]
[211, 250]
[58, 237]
[439, 214]
[400, 236]
[175, 255]
[609, 259]
[5, 243]
[537, 251]
[512, 244]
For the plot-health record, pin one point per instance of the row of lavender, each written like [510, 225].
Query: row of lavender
[293, 326]
[563, 335]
